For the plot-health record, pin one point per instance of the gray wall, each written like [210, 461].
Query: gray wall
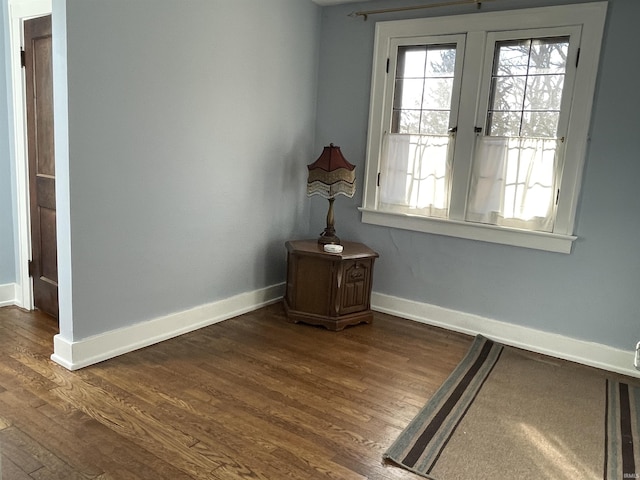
[591, 294]
[7, 249]
[190, 127]
[190, 124]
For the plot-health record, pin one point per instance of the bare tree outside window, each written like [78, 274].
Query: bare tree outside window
[423, 89]
[526, 87]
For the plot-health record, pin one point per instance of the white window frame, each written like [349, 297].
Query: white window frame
[586, 21]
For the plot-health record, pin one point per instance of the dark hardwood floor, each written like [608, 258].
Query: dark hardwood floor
[251, 397]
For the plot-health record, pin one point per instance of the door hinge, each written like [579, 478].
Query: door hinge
[557, 196]
[578, 58]
[387, 67]
[31, 268]
[23, 58]
[378, 181]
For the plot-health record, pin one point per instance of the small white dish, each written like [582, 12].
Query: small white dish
[330, 248]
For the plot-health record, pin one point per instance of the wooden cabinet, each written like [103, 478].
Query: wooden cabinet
[329, 289]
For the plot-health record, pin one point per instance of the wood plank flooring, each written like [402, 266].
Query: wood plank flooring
[253, 397]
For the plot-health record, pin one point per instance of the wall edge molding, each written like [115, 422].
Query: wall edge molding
[8, 294]
[552, 344]
[74, 355]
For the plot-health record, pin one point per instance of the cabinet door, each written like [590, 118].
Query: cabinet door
[312, 277]
[356, 285]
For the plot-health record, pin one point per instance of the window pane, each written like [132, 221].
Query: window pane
[441, 62]
[508, 93]
[544, 92]
[409, 93]
[526, 87]
[434, 122]
[539, 124]
[412, 64]
[409, 121]
[423, 89]
[437, 93]
[548, 56]
[513, 58]
[505, 124]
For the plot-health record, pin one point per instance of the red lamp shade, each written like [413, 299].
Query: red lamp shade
[331, 174]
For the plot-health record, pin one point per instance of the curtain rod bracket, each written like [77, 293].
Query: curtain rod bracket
[364, 15]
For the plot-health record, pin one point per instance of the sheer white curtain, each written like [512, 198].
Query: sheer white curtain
[513, 182]
[414, 174]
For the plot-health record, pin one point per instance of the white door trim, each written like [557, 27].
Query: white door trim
[19, 10]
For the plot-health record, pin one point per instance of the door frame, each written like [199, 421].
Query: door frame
[20, 10]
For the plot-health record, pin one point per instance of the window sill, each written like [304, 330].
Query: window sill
[550, 242]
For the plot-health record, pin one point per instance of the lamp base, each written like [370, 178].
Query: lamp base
[329, 235]
[328, 238]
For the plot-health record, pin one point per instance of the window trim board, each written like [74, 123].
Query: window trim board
[591, 18]
[550, 242]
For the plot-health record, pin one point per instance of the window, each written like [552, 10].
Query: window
[479, 123]
[417, 164]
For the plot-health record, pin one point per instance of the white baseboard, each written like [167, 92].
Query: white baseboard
[552, 344]
[78, 354]
[74, 355]
[8, 294]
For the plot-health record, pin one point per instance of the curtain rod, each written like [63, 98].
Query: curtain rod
[365, 13]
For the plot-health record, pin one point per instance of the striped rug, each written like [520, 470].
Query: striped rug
[505, 413]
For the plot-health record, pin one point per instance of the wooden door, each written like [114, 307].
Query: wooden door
[42, 188]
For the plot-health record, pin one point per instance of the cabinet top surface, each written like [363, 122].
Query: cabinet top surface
[312, 247]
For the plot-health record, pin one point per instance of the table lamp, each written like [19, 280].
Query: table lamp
[330, 175]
